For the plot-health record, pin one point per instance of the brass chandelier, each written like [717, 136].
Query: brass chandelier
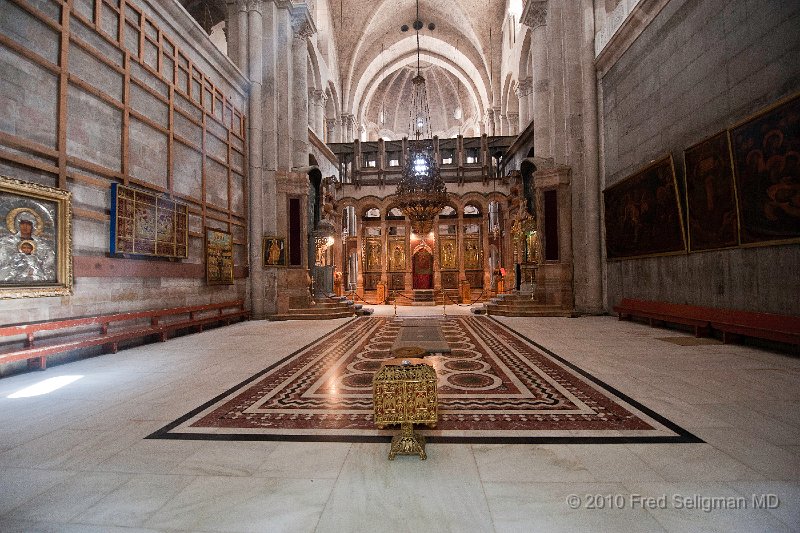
[421, 192]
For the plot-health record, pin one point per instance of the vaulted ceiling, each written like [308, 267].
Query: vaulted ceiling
[376, 60]
[461, 55]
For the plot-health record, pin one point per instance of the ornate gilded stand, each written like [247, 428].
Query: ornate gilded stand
[404, 392]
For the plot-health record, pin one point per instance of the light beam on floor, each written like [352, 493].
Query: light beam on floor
[45, 387]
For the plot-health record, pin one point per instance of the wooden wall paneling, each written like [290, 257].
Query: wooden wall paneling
[89, 49]
[63, 85]
[203, 163]
[19, 143]
[126, 117]
[29, 54]
[41, 16]
[199, 90]
[26, 161]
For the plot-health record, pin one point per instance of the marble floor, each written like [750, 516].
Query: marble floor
[75, 458]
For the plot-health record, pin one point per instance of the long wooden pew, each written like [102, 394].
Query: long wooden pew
[729, 322]
[35, 341]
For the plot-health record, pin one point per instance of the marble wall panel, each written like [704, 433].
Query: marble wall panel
[28, 99]
[94, 129]
[147, 154]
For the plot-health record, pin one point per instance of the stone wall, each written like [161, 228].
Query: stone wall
[700, 67]
[141, 98]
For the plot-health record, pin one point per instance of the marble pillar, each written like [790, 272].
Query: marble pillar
[301, 31]
[330, 131]
[255, 32]
[513, 123]
[284, 87]
[524, 88]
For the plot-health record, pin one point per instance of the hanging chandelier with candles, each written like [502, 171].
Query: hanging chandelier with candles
[421, 192]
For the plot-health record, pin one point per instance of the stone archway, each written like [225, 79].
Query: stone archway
[422, 268]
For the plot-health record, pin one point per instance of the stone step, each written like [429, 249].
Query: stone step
[532, 309]
[314, 309]
[293, 315]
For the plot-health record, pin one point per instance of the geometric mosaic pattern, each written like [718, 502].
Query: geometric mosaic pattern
[494, 386]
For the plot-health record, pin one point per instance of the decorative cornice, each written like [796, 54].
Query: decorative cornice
[534, 14]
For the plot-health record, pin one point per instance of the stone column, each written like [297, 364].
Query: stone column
[513, 123]
[489, 122]
[593, 301]
[255, 74]
[330, 134]
[535, 16]
[269, 120]
[284, 84]
[348, 127]
[316, 109]
[301, 31]
[236, 32]
[524, 88]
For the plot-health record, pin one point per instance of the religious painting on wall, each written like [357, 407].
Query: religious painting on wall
[273, 250]
[642, 213]
[219, 257]
[35, 240]
[472, 254]
[766, 155]
[372, 254]
[397, 255]
[447, 253]
[710, 197]
[471, 246]
[146, 223]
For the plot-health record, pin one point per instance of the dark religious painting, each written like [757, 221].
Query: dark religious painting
[219, 257]
[146, 223]
[274, 251]
[710, 198]
[35, 240]
[766, 154]
[494, 386]
[643, 216]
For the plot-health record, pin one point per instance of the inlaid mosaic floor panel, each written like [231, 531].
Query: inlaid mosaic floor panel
[494, 386]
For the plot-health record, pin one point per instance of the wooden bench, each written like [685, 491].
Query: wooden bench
[704, 320]
[41, 339]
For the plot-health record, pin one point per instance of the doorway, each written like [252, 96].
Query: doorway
[422, 264]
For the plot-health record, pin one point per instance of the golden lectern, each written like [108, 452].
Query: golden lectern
[404, 392]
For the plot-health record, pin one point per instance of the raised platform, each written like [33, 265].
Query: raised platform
[522, 304]
[327, 308]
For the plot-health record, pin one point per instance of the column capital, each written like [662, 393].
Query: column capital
[348, 119]
[302, 25]
[317, 96]
[524, 87]
[535, 13]
[251, 5]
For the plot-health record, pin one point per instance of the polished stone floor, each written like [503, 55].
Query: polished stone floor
[75, 459]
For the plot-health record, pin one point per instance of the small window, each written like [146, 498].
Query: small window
[447, 157]
[373, 213]
[473, 156]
